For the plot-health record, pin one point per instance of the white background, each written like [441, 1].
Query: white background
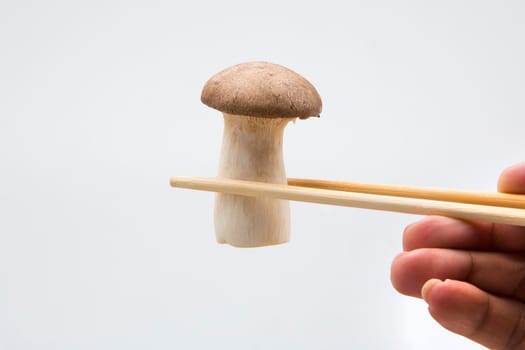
[100, 105]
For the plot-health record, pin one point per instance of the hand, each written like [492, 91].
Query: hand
[471, 274]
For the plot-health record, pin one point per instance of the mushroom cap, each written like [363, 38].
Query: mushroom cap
[262, 89]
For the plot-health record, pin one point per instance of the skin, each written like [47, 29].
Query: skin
[471, 274]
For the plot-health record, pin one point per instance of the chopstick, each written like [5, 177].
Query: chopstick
[408, 205]
[483, 198]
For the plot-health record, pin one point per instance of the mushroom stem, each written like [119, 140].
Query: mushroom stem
[252, 150]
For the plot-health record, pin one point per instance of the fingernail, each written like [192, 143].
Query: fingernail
[427, 288]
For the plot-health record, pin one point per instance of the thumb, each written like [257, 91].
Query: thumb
[512, 179]
[462, 308]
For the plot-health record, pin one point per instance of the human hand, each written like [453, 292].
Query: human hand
[471, 274]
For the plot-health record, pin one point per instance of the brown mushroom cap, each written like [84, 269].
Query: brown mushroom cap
[262, 89]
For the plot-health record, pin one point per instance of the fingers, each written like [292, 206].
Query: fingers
[464, 309]
[441, 232]
[512, 179]
[501, 274]
[484, 288]
[409, 271]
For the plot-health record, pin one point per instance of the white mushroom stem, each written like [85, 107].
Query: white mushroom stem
[252, 150]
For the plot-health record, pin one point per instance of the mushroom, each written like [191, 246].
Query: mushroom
[257, 99]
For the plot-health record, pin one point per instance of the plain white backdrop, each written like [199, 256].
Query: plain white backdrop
[100, 105]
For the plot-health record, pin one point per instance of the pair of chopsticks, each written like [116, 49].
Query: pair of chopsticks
[493, 207]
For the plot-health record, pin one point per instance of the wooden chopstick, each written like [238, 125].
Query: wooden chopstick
[409, 205]
[483, 198]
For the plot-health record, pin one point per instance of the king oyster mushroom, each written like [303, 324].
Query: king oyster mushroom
[258, 99]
